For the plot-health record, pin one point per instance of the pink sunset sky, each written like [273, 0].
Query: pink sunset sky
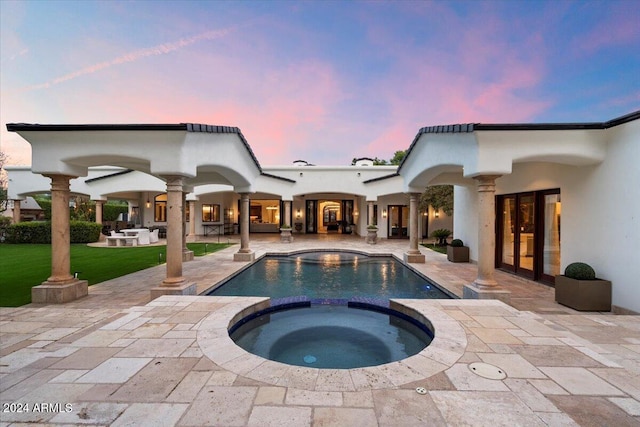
[319, 81]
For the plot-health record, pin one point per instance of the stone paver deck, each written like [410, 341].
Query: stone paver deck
[116, 358]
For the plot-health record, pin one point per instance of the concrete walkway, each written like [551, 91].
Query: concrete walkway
[116, 358]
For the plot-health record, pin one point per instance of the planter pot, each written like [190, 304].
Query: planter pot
[584, 295]
[458, 253]
[285, 235]
[372, 236]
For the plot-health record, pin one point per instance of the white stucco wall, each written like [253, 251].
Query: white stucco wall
[602, 226]
[600, 205]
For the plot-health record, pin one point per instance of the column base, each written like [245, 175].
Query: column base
[244, 256]
[474, 292]
[414, 258]
[51, 293]
[187, 256]
[186, 289]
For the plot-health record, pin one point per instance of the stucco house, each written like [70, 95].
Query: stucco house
[529, 198]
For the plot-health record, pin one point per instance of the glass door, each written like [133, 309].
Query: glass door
[311, 219]
[516, 239]
[507, 229]
[550, 260]
[398, 222]
[528, 234]
[525, 234]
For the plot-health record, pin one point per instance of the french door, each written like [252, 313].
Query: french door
[398, 222]
[528, 234]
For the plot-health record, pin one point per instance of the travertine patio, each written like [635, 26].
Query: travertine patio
[119, 359]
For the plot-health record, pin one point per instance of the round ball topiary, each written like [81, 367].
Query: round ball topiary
[580, 271]
[457, 243]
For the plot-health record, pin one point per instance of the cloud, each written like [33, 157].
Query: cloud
[161, 49]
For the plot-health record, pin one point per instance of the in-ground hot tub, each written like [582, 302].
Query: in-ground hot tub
[334, 334]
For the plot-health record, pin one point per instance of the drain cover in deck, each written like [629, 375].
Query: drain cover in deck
[486, 370]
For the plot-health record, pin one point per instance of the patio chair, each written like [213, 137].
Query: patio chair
[153, 236]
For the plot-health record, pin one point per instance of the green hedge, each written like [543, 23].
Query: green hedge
[40, 232]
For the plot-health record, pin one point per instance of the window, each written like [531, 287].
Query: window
[160, 208]
[210, 213]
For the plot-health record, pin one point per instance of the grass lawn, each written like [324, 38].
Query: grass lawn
[437, 248]
[25, 266]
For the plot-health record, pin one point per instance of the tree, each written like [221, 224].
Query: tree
[398, 156]
[439, 197]
[3, 189]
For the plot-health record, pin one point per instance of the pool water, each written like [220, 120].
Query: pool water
[325, 275]
[331, 336]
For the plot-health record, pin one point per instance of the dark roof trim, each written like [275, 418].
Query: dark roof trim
[472, 127]
[380, 178]
[278, 177]
[17, 127]
[124, 172]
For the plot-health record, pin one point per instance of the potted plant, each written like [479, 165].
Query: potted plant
[372, 234]
[285, 234]
[457, 251]
[579, 289]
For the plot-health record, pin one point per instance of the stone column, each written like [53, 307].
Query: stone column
[62, 286]
[285, 231]
[187, 255]
[192, 218]
[370, 219]
[287, 213]
[16, 211]
[245, 253]
[485, 286]
[413, 254]
[99, 204]
[174, 283]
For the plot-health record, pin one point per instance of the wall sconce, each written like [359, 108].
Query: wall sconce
[231, 213]
[384, 213]
[298, 214]
[148, 204]
[425, 213]
[436, 214]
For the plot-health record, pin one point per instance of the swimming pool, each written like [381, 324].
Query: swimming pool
[326, 275]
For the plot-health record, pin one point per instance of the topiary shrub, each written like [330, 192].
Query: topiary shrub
[457, 243]
[580, 271]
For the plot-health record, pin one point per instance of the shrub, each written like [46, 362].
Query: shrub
[457, 243]
[29, 232]
[372, 227]
[40, 232]
[85, 232]
[110, 212]
[580, 271]
[5, 223]
[441, 234]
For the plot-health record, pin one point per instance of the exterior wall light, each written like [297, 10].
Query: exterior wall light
[436, 214]
[384, 213]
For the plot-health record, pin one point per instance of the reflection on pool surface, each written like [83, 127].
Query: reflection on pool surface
[331, 336]
[329, 275]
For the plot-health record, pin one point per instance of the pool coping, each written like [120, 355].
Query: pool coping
[447, 347]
